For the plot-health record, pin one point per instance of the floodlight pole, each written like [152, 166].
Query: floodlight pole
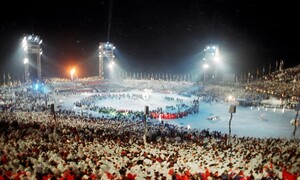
[26, 72]
[39, 64]
[296, 119]
[106, 51]
[229, 134]
[145, 125]
[32, 45]
[145, 130]
[232, 110]
[204, 77]
[295, 123]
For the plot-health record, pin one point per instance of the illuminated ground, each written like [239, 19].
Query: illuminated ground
[254, 122]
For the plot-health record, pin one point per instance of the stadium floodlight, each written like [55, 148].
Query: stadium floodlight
[217, 54]
[106, 51]
[26, 60]
[217, 58]
[212, 57]
[25, 48]
[205, 67]
[111, 65]
[211, 51]
[24, 42]
[32, 45]
[26, 65]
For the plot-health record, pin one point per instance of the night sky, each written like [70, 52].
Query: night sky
[159, 36]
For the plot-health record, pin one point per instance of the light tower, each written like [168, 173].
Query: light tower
[212, 52]
[32, 45]
[212, 57]
[106, 51]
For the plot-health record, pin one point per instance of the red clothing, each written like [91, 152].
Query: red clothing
[178, 177]
[109, 175]
[171, 171]
[4, 159]
[287, 175]
[131, 176]
[184, 177]
[207, 172]
[203, 176]
[8, 174]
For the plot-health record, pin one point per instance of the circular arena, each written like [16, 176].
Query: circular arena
[145, 129]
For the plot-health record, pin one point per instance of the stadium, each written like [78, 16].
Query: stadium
[150, 126]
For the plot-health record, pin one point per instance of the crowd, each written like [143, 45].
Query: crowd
[37, 143]
[37, 146]
[283, 84]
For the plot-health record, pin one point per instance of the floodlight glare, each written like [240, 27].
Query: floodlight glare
[24, 42]
[25, 48]
[217, 58]
[26, 61]
[32, 45]
[106, 52]
[111, 65]
[205, 66]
